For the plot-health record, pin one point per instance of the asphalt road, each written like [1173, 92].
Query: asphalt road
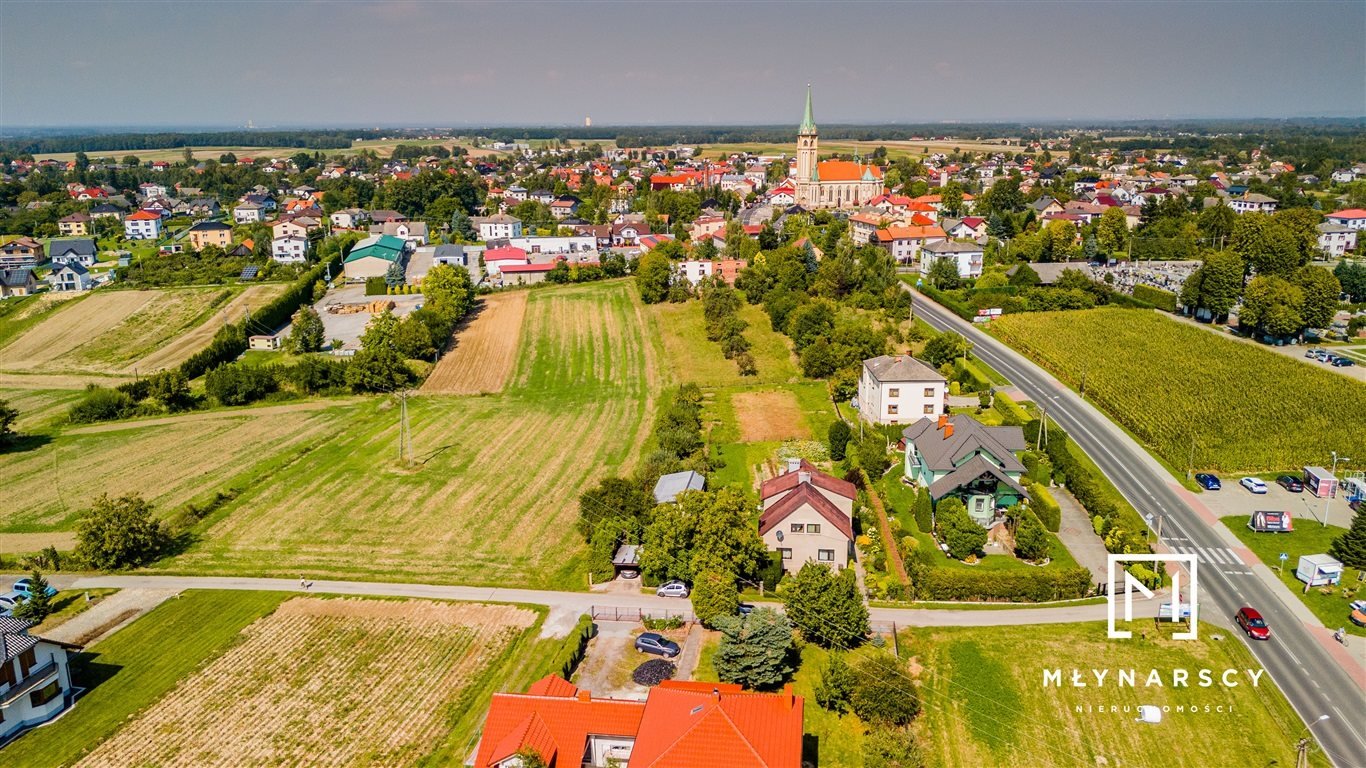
[1311, 679]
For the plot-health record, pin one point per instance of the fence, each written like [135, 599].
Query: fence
[619, 613]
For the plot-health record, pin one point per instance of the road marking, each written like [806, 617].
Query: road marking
[1292, 656]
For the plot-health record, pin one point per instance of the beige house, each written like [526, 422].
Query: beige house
[210, 233]
[808, 516]
[75, 225]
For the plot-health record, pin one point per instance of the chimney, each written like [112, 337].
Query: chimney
[794, 464]
[585, 695]
[943, 420]
[803, 477]
[948, 431]
[716, 693]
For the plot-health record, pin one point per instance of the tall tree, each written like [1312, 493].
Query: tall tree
[1321, 291]
[755, 650]
[1112, 231]
[1216, 285]
[653, 273]
[1350, 546]
[119, 533]
[306, 331]
[1266, 245]
[1272, 304]
[826, 607]
[38, 605]
[714, 595]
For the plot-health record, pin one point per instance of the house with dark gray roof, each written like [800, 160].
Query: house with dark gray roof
[956, 455]
[899, 389]
[35, 678]
[76, 250]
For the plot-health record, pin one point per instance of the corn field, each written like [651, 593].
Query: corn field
[323, 683]
[1173, 385]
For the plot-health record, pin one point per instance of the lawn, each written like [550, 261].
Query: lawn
[1169, 383]
[984, 702]
[1308, 538]
[813, 414]
[693, 358]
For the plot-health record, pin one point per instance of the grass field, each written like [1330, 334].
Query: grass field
[1308, 538]
[743, 460]
[985, 703]
[693, 358]
[485, 349]
[1168, 383]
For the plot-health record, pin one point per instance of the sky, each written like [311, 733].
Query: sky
[435, 63]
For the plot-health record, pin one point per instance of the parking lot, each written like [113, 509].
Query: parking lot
[1304, 507]
[349, 327]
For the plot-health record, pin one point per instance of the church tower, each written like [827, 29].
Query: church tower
[806, 155]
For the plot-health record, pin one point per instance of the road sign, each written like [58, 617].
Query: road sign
[1284, 556]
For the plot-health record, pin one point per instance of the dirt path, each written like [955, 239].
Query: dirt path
[187, 344]
[270, 410]
[485, 349]
[109, 615]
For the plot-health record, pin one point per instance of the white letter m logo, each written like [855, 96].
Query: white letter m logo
[1176, 610]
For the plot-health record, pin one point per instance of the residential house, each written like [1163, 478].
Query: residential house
[289, 249]
[564, 207]
[17, 281]
[667, 487]
[72, 276]
[497, 226]
[808, 516]
[680, 724]
[1335, 240]
[373, 256]
[967, 256]
[414, 232]
[1044, 206]
[958, 456]
[1352, 218]
[79, 250]
[706, 226]
[150, 190]
[203, 206]
[35, 677]
[289, 228]
[143, 225]
[22, 251]
[899, 389]
[210, 233]
[248, 212]
[904, 243]
[75, 225]
[106, 210]
[348, 218]
[1252, 202]
[628, 232]
[863, 227]
[966, 228]
[554, 245]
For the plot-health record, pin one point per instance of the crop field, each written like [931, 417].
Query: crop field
[490, 496]
[693, 358]
[484, 352]
[324, 683]
[1246, 409]
[231, 311]
[112, 332]
[770, 415]
[38, 409]
[895, 149]
[984, 702]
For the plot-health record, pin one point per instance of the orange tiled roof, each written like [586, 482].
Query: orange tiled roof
[685, 727]
[845, 170]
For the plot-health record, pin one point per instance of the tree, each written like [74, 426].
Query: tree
[755, 650]
[1217, 221]
[447, 290]
[1352, 275]
[725, 539]
[944, 274]
[1112, 231]
[38, 606]
[612, 497]
[883, 693]
[8, 415]
[120, 533]
[653, 271]
[462, 227]
[836, 685]
[1266, 245]
[1025, 276]
[951, 199]
[809, 322]
[945, 348]
[1272, 304]
[378, 366]
[960, 532]
[171, 389]
[1031, 540]
[306, 332]
[838, 436]
[892, 748]
[413, 339]
[714, 595]
[1321, 291]
[826, 607]
[1350, 546]
[871, 454]
[1216, 285]
[666, 551]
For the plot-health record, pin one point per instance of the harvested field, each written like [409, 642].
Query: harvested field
[485, 349]
[38, 408]
[70, 327]
[323, 683]
[769, 416]
[181, 348]
[12, 543]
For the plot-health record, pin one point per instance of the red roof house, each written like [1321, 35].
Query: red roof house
[808, 516]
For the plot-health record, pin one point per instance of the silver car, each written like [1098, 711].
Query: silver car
[672, 589]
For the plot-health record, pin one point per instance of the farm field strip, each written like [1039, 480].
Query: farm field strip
[198, 337]
[694, 358]
[1246, 408]
[322, 682]
[484, 352]
[769, 416]
[71, 326]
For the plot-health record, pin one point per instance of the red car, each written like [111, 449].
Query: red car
[1253, 624]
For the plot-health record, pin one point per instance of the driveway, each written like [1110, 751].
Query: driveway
[1304, 507]
[1078, 534]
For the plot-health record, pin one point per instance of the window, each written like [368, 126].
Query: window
[798, 528]
[813, 528]
[894, 392]
[929, 408]
[7, 676]
[45, 694]
[891, 408]
[27, 660]
[826, 555]
[929, 391]
[785, 552]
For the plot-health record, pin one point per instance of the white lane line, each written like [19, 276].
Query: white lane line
[1286, 650]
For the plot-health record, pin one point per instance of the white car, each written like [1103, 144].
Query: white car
[672, 589]
[1253, 484]
[8, 601]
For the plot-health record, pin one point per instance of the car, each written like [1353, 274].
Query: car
[744, 609]
[1253, 484]
[22, 587]
[9, 601]
[653, 642]
[1343, 362]
[1290, 483]
[1358, 616]
[672, 589]
[1328, 357]
[1251, 622]
[1207, 481]
[629, 573]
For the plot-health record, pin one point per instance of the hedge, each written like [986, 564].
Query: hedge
[969, 374]
[948, 302]
[1163, 300]
[1045, 506]
[1011, 412]
[571, 651]
[1033, 585]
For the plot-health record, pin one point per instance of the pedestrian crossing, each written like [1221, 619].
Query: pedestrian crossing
[1215, 555]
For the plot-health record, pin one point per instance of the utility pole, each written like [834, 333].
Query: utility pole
[403, 437]
[1328, 500]
[1190, 463]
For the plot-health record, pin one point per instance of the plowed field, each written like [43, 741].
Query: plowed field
[485, 350]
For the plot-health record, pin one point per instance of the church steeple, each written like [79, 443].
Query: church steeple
[808, 122]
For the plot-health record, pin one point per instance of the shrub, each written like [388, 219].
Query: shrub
[1031, 585]
[239, 384]
[1046, 507]
[714, 595]
[836, 684]
[755, 650]
[883, 694]
[664, 624]
[1164, 300]
[654, 672]
[120, 533]
[924, 510]
[826, 607]
[101, 404]
[571, 650]
[891, 748]
[960, 532]
[838, 437]
[1031, 540]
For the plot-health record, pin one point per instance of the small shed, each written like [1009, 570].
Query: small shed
[669, 486]
[1268, 521]
[268, 343]
[1319, 570]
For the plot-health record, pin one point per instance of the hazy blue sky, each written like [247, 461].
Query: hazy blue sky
[452, 63]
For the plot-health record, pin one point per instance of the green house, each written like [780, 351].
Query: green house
[958, 456]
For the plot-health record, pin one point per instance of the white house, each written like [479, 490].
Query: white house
[570, 244]
[289, 249]
[143, 225]
[1252, 202]
[967, 256]
[1336, 239]
[696, 270]
[499, 226]
[414, 232]
[348, 218]
[898, 389]
[71, 276]
[808, 517]
[35, 677]
[905, 243]
[1352, 218]
[246, 213]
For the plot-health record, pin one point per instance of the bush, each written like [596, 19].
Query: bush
[836, 685]
[1031, 585]
[714, 595]
[654, 672]
[571, 650]
[960, 532]
[664, 624]
[101, 404]
[891, 748]
[838, 437]
[239, 384]
[1031, 540]
[120, 533]
[1043, 505]
[1163, 300]
[1011, 412]
[755, 650]
[883, 693]
[375, 286]
[924, 510]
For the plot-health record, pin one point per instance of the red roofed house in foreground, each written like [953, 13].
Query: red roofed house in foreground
[808, 515]
[681, 725]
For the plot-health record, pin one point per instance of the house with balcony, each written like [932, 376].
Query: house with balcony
[808, 516]
[960, 457]
[79, 250]
[143, 225]
[966, 256]
[35, 678]
[899, 389]
[21, 252]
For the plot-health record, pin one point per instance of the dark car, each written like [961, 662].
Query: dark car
[1290, 483]
[652, 642]
[1207, 481]
[1343, 362]
[744, 609]
[1251, 622]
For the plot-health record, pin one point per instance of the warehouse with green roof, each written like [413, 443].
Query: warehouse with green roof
[372, 256]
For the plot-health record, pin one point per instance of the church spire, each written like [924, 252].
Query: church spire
[808, 122]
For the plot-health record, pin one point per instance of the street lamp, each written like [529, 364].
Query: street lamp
[1328, 500]
[1302, 746]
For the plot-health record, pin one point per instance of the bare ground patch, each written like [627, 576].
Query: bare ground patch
[485, 349]
[769, 416]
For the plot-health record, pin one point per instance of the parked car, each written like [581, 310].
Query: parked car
[1253, 624]
[672, 589]
[1311, 353]
[1343, 362]
[9, 601]
[629, 573]
[1253, 484]
[744, 609]
[1290, 483]
[22, 587]
[1207, 481]
[653, 642]
[1358, 616]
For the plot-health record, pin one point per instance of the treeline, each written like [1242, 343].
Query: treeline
[721, 312]
[118, 142]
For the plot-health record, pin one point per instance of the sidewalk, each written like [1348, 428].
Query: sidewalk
[1079, 536]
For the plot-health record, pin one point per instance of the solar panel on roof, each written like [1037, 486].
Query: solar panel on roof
[249, 272]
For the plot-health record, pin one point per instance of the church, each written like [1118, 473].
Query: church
[830, 183]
